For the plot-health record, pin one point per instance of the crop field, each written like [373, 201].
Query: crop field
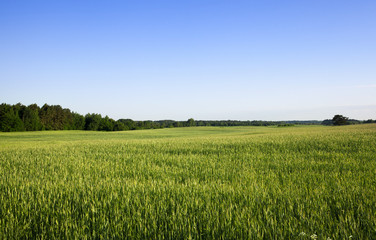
[301, 182]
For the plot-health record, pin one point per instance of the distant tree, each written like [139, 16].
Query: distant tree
[54, 117]
[129, 124]
[369, 121]
[19, 109]
[147, 124]
[353, 121]
[119, 126]
[46, 117]
[106, 124]
[67, 119]
[200, 123]
[340, 120]
[92, 121]
[164, 124]
[191, 122]
[178, 124]
[9, 119]
[285, 125]
[78, 121]
[31, 118]
[139, 125]
[327, 122]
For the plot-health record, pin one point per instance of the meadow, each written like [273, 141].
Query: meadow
[300, 182]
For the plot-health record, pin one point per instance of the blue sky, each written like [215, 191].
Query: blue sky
[206, 59]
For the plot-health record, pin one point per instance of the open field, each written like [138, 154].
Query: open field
[182, 183]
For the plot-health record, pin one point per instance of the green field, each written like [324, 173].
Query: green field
[190, 183]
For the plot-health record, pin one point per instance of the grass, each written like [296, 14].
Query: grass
[190, 183]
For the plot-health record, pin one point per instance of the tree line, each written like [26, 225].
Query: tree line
[19, 117]
[339, 120]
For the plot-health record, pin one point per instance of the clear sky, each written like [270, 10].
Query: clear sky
[205, 59]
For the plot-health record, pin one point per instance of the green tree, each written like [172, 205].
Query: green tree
[340, 120]
[67, 120]
[78, 121]
[147, 124]
[119, 126]
[129, 124]
[106, 124]
[9, 119]
[51, 117]
[92, 121]
[191, 122]
[31, 118]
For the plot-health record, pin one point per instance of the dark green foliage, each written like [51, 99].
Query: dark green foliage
[9, 119]
[340, 120]
[191, 122]
[327, 122]
[53, 117]
[353, 121]
[92, 121]
[31, 118]
[286, 125]
[119, 126]
[106, 124]
[165, 123]
[330, 122]
[129, 124]
[78, 121]
[178, 124]
[369, 121]
[146, 125]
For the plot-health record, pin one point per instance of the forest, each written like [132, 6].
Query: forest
[18, 117]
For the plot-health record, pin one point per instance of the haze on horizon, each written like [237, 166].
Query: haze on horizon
[210, 60]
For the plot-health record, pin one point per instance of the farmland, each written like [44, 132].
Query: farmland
[298, 182]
